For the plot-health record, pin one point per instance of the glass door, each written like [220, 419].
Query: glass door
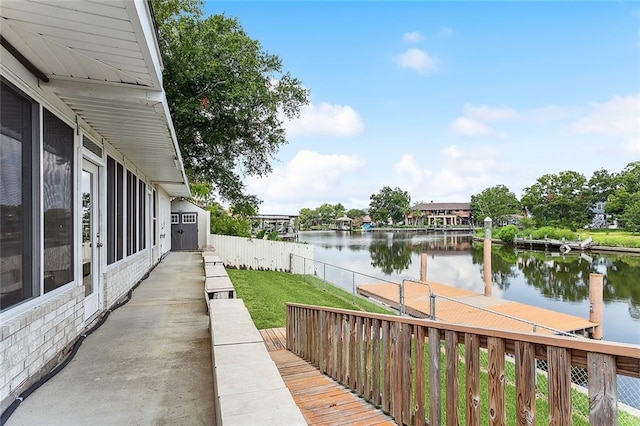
[90, 239]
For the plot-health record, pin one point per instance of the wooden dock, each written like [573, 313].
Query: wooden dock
[460, 306]
[322, 400]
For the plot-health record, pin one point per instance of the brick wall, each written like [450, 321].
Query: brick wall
[37, 337]
[120, 277]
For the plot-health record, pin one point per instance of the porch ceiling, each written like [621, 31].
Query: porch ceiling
[102, 60]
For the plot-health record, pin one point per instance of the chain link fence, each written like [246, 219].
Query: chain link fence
[480, 314]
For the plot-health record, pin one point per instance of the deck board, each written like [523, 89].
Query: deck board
[417, 303]
[322, 400]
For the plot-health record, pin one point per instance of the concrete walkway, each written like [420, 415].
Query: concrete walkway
[149, 364]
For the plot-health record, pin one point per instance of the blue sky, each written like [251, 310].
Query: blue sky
[445, 99]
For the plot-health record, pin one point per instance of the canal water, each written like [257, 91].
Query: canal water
[548, 280]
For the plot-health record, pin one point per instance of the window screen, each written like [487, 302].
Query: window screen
[57, 199]
[17, 116]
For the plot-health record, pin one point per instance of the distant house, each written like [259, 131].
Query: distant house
[600, 218]
[89, 162]
[285, 225]
[343, 223]
[440, 214]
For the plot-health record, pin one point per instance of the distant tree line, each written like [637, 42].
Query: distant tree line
[563, 200]
[567, 199]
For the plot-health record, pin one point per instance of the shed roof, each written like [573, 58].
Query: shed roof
[442, 206]
[102, 59]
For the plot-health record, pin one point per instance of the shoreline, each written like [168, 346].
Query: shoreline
[593, 248]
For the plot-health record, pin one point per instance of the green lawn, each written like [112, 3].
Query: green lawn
[612, 237]
[266, 292]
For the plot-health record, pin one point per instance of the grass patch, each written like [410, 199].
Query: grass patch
[612, 237]
[266, 292]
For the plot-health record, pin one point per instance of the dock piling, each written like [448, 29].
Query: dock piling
[596, 283]
[487, 256]
[423, 266]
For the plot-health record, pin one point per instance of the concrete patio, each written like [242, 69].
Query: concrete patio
[149, 363]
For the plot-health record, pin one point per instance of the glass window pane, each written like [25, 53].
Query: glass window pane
[15, 193]
[57, 198]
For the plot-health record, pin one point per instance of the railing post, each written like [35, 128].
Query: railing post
[432, 305]
[603, 387]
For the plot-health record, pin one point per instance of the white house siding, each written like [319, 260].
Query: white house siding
[36, 337]
[253, 253]
[36, 329]
[164, 218]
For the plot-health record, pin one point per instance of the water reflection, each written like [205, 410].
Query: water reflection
[550, 281]
[390, 256]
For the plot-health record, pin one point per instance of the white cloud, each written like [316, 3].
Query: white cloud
[412, 37]
[418, 60]
[310, 177]
[549, 113]
[620, 116]
[468, 127]
[407, 165]
[326, 120]
[633, 146]
[487, 113]
[446, 32]
[461, 172]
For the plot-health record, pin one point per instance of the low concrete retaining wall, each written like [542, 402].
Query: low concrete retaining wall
[248, 388]
[247, 385]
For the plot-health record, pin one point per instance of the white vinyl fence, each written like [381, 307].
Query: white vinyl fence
[251, 253]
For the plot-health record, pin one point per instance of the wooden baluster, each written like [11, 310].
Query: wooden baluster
[497, 414]
[377, 362]
[525, 384]
[419, 418]
[559, 364]
[451, 354]
[472, 361]
[435, 387]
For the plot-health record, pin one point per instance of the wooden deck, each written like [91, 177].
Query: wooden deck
[322, 400]
[417, 304]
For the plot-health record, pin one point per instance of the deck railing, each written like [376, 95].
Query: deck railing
[428, 372]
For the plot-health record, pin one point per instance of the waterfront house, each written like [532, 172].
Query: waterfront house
[439, 214]
[89, 164]
[343, 223]
[285, 225]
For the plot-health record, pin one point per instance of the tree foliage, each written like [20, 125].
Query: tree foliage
[601, 185]
[496, 202]
[354, 213]
[624, 201]
[559, 200]
[226, 223]
[324, 215]
[389, 204]
[226, 95]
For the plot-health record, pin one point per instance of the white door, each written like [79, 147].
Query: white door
[90, 239]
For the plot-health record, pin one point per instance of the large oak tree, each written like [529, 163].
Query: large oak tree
[496, 202]
[389, 203]
[559, 200]
[227, 95]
